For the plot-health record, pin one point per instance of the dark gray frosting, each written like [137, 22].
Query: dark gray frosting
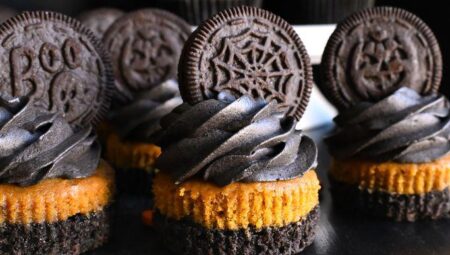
[227, 141]
[403, 127]
[35, 145]
[139, 119]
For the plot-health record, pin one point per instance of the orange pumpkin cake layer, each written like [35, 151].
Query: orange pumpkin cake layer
[400, 178]
[54, 200]
[131, 155]
[238, 205]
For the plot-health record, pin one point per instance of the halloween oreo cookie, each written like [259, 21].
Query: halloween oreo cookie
[247, 51]
[391, 147]
[145, 46]
[235, 176]
[377, 51]
[55, 190]
[58, 63]
[99, 20]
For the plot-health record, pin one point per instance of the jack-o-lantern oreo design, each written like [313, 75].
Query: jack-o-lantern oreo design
[58, 63]
[375, 52]
[145, 47]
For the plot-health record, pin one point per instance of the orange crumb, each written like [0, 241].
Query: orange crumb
[147, 217]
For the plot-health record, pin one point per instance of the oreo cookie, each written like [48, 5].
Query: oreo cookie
[375, 52]
[145, 46]
[247, 50]
[58, 63]
[99, 20]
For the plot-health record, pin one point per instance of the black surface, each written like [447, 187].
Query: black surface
[338, 233]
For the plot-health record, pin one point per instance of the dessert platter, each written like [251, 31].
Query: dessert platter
[129, 133]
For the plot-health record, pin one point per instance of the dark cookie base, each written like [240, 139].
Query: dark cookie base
[187, 237]
[78, 234]
[433, 205]
[134, 181]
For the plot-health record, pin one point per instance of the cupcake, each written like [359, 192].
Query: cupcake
[145, 46]
[130, 147]
[382, 69]
[54, 189]
[235, 175]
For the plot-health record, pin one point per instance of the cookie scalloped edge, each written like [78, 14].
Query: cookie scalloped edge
[109, 89]
[188, 69]
[328, 84]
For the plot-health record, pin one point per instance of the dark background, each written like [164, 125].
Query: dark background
[433, 12]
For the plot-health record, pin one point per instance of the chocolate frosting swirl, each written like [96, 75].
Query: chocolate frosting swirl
[35, 145]
[403, 127]
[139, 120]
[227, 141]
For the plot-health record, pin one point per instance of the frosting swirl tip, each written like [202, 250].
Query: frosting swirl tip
[35, 145]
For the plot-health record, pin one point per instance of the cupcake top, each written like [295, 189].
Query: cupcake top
[37, 145]
[242, 103]
[384, 81]
[225, 141]
[145, 47]
[403, 127]
[139, 120]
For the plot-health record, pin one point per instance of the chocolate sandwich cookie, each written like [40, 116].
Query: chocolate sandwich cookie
[58, 63]
[247, 51]
[235, 176]
[99, 20]
[391, 147]
[145, 46]
[374, 52]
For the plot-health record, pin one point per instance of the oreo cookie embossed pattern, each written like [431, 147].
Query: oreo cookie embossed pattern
[247, 51]
[377, 51]
[58, 63]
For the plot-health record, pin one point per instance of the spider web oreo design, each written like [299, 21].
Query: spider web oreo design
[247, 51]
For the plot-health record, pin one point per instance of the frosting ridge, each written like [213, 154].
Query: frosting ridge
[139, 119]
[403, 127]
[36, 145]
[229, 140]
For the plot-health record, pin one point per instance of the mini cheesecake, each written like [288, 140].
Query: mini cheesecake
[54, 189]
[236, 177]
[129, 132]
[57, 216]
[198, 217]
[382, 69]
